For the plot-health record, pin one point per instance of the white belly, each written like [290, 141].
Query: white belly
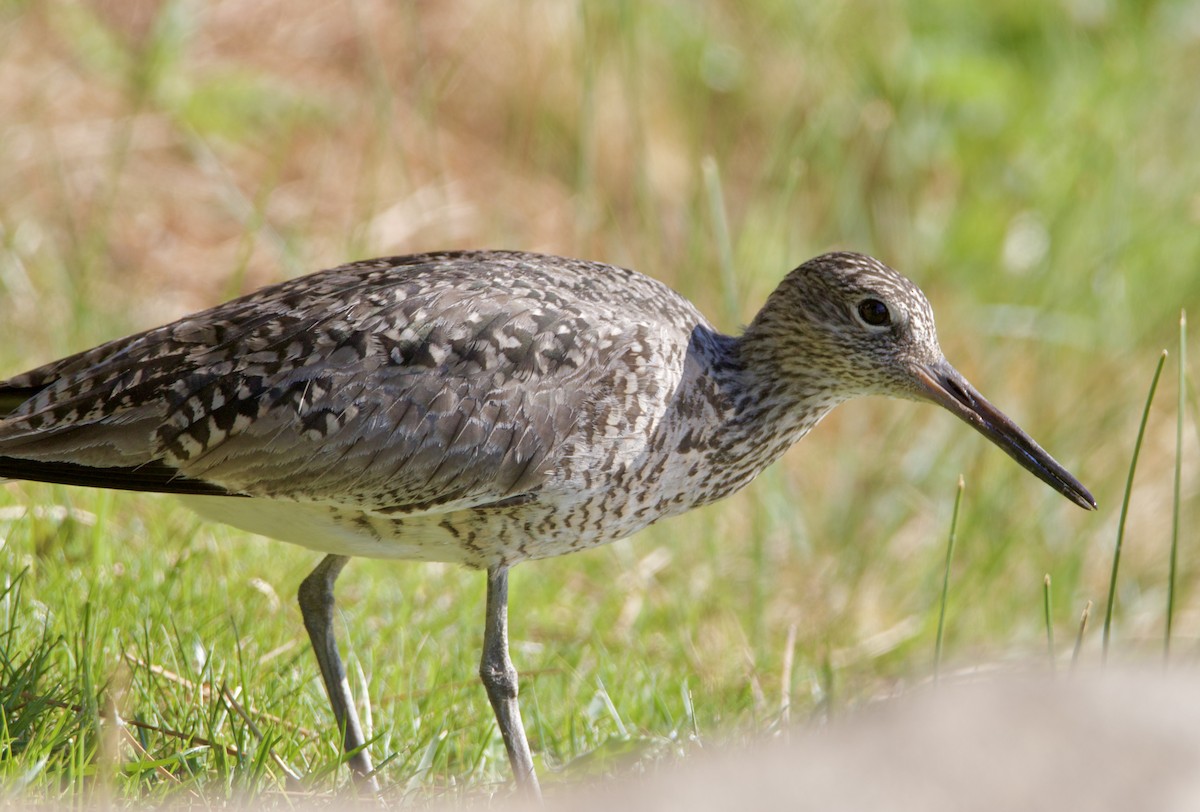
[328, 529]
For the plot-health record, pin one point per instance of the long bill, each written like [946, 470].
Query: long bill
[943, 384]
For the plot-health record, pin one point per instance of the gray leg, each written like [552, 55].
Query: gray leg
[316, 605]
[500, 678]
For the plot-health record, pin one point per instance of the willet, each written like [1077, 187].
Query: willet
[477, 407]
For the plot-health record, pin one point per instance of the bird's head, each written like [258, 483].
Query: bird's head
[844, 325]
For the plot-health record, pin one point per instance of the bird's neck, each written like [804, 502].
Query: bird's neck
[760, 409]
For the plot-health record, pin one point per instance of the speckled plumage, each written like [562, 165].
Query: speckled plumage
[477, 407]
[482, 408]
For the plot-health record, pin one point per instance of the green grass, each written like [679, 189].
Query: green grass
[1031, 165]
[941, 623]
[1116, 559]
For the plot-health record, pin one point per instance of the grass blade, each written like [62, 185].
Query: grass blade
[1049, 625]
[1171, 570]
[1083, 621]
[721, 235]
[1137, 447]
[937, 652]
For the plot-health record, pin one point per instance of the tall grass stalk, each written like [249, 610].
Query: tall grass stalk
[1049, 624]
[941, 627]
[1116, 564]
[1171, 570]
[721, 236]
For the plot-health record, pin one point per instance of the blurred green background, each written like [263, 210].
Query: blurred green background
[1032, 165]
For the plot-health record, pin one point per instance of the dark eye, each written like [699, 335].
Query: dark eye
[874, 312]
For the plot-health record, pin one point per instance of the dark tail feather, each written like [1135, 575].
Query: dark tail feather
[13, 396]
[154, 477]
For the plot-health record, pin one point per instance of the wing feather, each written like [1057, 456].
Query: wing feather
[404, 384]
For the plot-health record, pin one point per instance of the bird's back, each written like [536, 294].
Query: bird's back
[420, 384]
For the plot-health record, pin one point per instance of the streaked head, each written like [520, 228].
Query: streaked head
[847, 323]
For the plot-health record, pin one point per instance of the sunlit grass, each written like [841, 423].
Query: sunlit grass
[941, 624]
[1116, 559]
[1176, 493]
[1030, 165]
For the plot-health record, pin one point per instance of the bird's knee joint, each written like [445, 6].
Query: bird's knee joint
[500, 681]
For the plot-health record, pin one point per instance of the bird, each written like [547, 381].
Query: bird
[484, 408]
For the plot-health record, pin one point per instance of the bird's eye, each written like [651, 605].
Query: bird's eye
[874, 312]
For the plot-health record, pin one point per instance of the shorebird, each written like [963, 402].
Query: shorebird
[478, 407]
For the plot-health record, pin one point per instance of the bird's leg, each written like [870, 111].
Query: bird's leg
[500, 679]
[316, 606]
